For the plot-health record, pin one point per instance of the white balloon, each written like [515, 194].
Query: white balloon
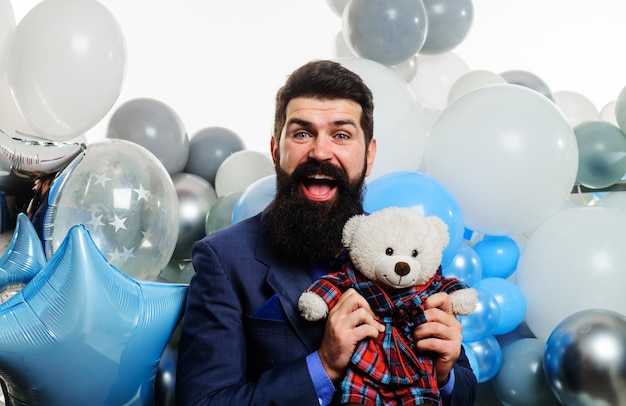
[435, 76]
[471, 80]
[241, 169]
[7, 30]
[400, 125]
[574, 261]
[509, 156]
[576, 107]
[340, 48]
[608, 113]
[616, 200]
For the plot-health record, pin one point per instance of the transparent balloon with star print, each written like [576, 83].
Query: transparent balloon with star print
[125, 198]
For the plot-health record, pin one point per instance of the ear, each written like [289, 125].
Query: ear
[441, 228]
[370, 155]
[350, 229]
[273, 148]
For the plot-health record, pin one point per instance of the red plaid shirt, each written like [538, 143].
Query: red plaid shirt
[383, 368]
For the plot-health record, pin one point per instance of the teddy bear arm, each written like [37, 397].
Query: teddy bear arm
[312, 307]
[464, 301]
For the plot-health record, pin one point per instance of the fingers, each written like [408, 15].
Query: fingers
[354, 312]
[439, 300]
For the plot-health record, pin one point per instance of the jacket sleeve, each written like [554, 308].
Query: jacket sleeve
[465, 392]
[212, 360]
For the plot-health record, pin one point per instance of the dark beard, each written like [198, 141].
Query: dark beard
[312, 230]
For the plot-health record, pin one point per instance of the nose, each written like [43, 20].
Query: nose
[402, 268]
[321, 148]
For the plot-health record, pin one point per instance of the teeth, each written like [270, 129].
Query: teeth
[320, 177]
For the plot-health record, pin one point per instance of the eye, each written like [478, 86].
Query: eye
[301, 135]
[342, 136]
[414, 253]
[389, 251]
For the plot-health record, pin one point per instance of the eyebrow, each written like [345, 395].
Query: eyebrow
[305, 123]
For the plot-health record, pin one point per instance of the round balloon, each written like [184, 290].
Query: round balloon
[435, 76]
[601, 154]
[483, 321]
[564, 260]
[254, 198]
[400, 124]
[493, 145]
[511, 303]
[521, 380]
[221, 213]
[385, 31]
[471, 80]
[576, 107]
[448, 23]
[489, 356]
[208, 148]
[422, 193]
[607, 113]
[528, 80]
[620, 109]
[465, 266]
[125, 198]
[66, 66]
[241, 169]
[498, 255]
[585, 358]
[195, 198]
[155, 126]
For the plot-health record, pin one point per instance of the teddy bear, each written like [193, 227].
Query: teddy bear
[394, 255]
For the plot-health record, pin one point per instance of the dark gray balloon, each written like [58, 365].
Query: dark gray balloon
[156, 127]
[208, 148]
[448, 24]
[385, 31]
[601, 153]
[585, 358]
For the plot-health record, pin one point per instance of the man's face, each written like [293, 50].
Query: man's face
[321, 161]
[326, 131]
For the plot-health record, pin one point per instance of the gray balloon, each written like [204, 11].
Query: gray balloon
[209, 147]
[195, 198]
[221, 213]
[529, 80]
[520, 380]
[585, 358]
[156, 127]
[448, 24]
[601, 153]
[385, 31]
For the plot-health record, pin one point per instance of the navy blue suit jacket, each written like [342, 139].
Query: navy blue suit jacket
[243, 340]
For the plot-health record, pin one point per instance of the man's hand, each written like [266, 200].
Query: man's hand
[349, 321]
[441, 334]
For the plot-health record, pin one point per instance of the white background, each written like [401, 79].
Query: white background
[219, 63]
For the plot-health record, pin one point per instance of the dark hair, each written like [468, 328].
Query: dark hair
[329, 80]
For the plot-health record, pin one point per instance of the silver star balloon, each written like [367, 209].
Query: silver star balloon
[83, 332]
[22, 260]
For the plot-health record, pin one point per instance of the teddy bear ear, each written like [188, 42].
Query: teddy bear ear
[349, 229]
[441, 228]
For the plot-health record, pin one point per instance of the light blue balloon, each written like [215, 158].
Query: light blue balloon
[472, 360]
[254, 198]
[483, 321]
[423, 193]
[385, 31]
[511, 302]
[465, 266]
[23, 258]
[489, 355]
[498, 255]
[81, 332]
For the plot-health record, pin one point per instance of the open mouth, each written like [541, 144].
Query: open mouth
[319, 187]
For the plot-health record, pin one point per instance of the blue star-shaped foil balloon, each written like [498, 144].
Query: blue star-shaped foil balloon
[23, 258]
[81, 332]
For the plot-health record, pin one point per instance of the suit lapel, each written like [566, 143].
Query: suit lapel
[289, 283]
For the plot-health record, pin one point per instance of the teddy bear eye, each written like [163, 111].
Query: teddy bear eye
[389, 251]
[414, 253]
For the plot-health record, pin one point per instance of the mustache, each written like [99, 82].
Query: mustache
[313, 167]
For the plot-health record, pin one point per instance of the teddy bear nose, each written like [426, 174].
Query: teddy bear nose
[402, 268]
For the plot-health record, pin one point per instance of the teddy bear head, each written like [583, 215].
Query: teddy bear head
[395, 246]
